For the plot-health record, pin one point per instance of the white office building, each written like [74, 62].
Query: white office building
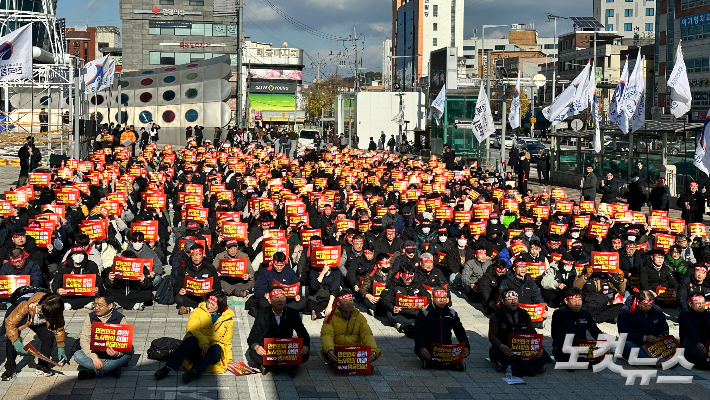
[630, 18]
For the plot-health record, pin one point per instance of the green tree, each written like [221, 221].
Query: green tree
[320, 95]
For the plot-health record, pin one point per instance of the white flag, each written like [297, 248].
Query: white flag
[632, 96]
[16, 54]
[594, 109]
[638, 119]
[581, 94]
[109, 72]
[564, 105]
[482, 124]
[701, 153]
[439, 104]
[514, 117]
[616, 113]
[680, 88]
[93, 74]
[399, 118]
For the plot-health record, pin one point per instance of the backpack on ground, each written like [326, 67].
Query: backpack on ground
[164, 291]
[161, 348]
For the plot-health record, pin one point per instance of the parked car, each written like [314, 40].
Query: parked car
[495, 142]
[534, 148]
[688, 146]
[306, 137]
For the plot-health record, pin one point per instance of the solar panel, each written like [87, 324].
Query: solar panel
[586, 22]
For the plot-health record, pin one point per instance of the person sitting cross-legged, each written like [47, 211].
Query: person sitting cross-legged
[695, 331]
[207, 345]
[101, 363]
[643, 321]
[571, 318]
[346, 326]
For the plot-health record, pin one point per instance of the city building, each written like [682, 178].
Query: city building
[418, 28]
[108, 41]
[630, 18]
[688, 21]
[172, 32]
[82, 43]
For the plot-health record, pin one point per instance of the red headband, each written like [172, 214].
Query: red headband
[213, 299]
[427, 259]
[77, 249]
[389, 230]
[697, 297]
[440, 293]
[575, 297]
[16, 259]
[647, 302]
[17, 236]
[701, 267]
[405, 275]
[481, 251]
[197, 250]
[338, 300]
[357, 240]
[511, 294]
[276, 292]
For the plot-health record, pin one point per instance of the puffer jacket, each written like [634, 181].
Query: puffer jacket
[473, 271]
[527, 289]
[22, 316]
[200, 325]
[347, 332]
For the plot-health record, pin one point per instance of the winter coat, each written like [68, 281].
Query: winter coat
[265, 326]
[696, 201]
[636, 196]
[528, 292]
[490, 284]
[434, 325]
[268, 275]
[30, 268]
[87, 267]
[650, 277]
[565, 321]
[347, 332]
[690, 287]
[694, 326]
[659, 198]
[555, 275]
[609, 190]
[200, 326]
[638, 324]
[206, 270]
[454, 264]
[589, 185]
[473, 270]
[21, 317]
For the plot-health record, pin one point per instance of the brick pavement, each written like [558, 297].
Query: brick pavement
[396, 375]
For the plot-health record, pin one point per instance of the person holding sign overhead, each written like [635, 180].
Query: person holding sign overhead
[193, 280]
[43, 313]
[234, 284]
[276, 321]
[346, 326]
[434, 325]
[129, 293]
[207, 345]
[101, 363]
[78, 280]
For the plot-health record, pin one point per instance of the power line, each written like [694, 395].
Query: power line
[300, 25]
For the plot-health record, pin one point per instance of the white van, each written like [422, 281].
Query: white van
[306, 137]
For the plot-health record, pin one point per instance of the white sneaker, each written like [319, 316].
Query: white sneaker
[116, 306]
[138, 307]
[89, 306]
[67, 306]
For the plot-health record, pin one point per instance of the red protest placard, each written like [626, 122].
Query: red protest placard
[510, 205]
[42, 236]
[148, 228]
[443, 213]
[283, 351]
[290, 290]
[698, 229]
[478, 228]
[194, 188]
[664, 348]
[587, 207]
[68, 195]
[667, 295]
[352, 360]
[155, 200]
[482, 210]
[598, 230]
[658, 222]
[558, 194]
[131, 268]
[581, 221]
[39, 178]
[10, 283]
[525, 346]
[118, 337]
[411, 302]
[534, 310]
[96, 229]
[557, 229]
[536, 270]
[565, 207]
[677, 226]
[235, 267]
[325, 255]
[663, 241]
[542, 212]
[592, 346]
[377, 288]
[296, 219]
[195, 213]
[307, 234]
[446, 354]
[461, 217]
[197, 287]
[6, 207]
[234, 230]
[273, 245]
[79, 284]
[604, 261]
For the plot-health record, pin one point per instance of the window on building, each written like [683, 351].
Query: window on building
[434, 42]
[628, 27]
[609, 27]
[629, 1]
[609, 1]
[197, 2]
[549, 46]
[154, 58]
[649, 27]
[154, 31]
[198, 30]
[435, 10]
[499, 47]
[102, 45]
[650, 12]
[167, 2]
[469, 48]
[435, 27]
[629, 12]
[182, 31]
[167, 58]
[609, 12]
[167, 31]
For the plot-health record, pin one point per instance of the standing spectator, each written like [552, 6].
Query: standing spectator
[199, 135]
[144, 139]
[643, 176]
[372, 146]
[514, 158]
[188, 133]
[355, 141]
[542, 160]
[283, 140]
[154, 128]
[30, 157]
[524, 171]
[217, 136]
[609, 187]
[391, 143]
[335, 142]
[589, 185]
[65, 118]
[635, 193]
[43, 120]
[659, 199]
[449, 158]
[693, 204]
[381, 142]
[317, 141]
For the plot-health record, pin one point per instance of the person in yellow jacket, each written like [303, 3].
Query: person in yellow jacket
[346, 326]
[207, 346]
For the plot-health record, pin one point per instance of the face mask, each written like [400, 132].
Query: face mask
[634, 179]
[632, 238]
[574, 235]
[602, 220]
[568, 268]
[462, 242]
[494, 221]
[528, 234]
[443, 239]
[576, 253]
[385, 270]
[77, 258]
[426, 230]
[137, 246]
[136, 187]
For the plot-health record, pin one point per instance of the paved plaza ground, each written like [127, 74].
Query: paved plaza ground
[396, 375]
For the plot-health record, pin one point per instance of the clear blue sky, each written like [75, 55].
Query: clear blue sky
[96, 12]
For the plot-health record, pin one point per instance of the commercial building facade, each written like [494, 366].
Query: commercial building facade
[630, 18]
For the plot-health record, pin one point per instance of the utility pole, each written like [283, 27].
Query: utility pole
[488, 93]
[240, 43]
[357, 64]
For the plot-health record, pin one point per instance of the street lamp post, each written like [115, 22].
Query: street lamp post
[552, 17]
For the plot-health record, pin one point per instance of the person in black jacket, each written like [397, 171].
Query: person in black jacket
[29, 157]
[694, 284]
[609, 187]
[571, 319]
[401, 318]
[692, 203]
[372, 146]
[523, 171]
[448, 157]
[635, 193]
[642, 321]
[542, 161]
[694, 325]
[629, 259]
[490, 283]
[655, 273]
[196, 267]
[129, 294]
[434, 324]
[77, 263]
[659, 198]
[277, 322]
